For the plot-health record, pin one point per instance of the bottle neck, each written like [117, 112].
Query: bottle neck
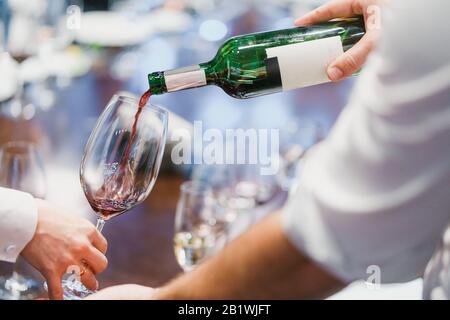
[178, 79]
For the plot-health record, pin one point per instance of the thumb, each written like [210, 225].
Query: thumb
[55, 291]
[351, 61]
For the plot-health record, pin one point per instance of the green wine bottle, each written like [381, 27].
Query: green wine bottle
[268, 62]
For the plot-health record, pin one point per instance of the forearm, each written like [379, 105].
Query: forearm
[261, 264]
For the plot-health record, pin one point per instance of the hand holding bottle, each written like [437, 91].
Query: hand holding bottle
[267, 62]
[353, 59]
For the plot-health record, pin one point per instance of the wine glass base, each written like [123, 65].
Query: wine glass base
[75, 290]
[20, 288]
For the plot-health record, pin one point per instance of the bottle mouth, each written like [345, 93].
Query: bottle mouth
[157, 82]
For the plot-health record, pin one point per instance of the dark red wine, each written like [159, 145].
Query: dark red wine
[110, 208]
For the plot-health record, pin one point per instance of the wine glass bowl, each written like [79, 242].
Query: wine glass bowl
[119, 166]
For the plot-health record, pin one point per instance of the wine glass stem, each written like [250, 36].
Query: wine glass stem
[100, 224]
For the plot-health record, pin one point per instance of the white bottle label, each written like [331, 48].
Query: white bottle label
[184, 78]
[305, 64]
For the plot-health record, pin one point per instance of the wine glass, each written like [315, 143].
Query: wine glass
[120, 163]
[299, 137]
[436, 278]
[239, 189]
[21, 168]
[223, 180]
[198, 230]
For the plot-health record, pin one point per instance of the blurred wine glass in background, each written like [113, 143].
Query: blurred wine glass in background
[36, 36]
[21, 168]
[238, 191]
[223, 179]
[199, 231]
[297, 138]
[436, 278]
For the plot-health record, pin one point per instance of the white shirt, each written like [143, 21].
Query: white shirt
[18, 220]
[376, 192]
[9, 76]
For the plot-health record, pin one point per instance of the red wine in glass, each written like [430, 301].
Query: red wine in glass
[109, 209]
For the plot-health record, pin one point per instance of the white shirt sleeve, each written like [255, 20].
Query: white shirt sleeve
[18, 220]
[377, 191]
